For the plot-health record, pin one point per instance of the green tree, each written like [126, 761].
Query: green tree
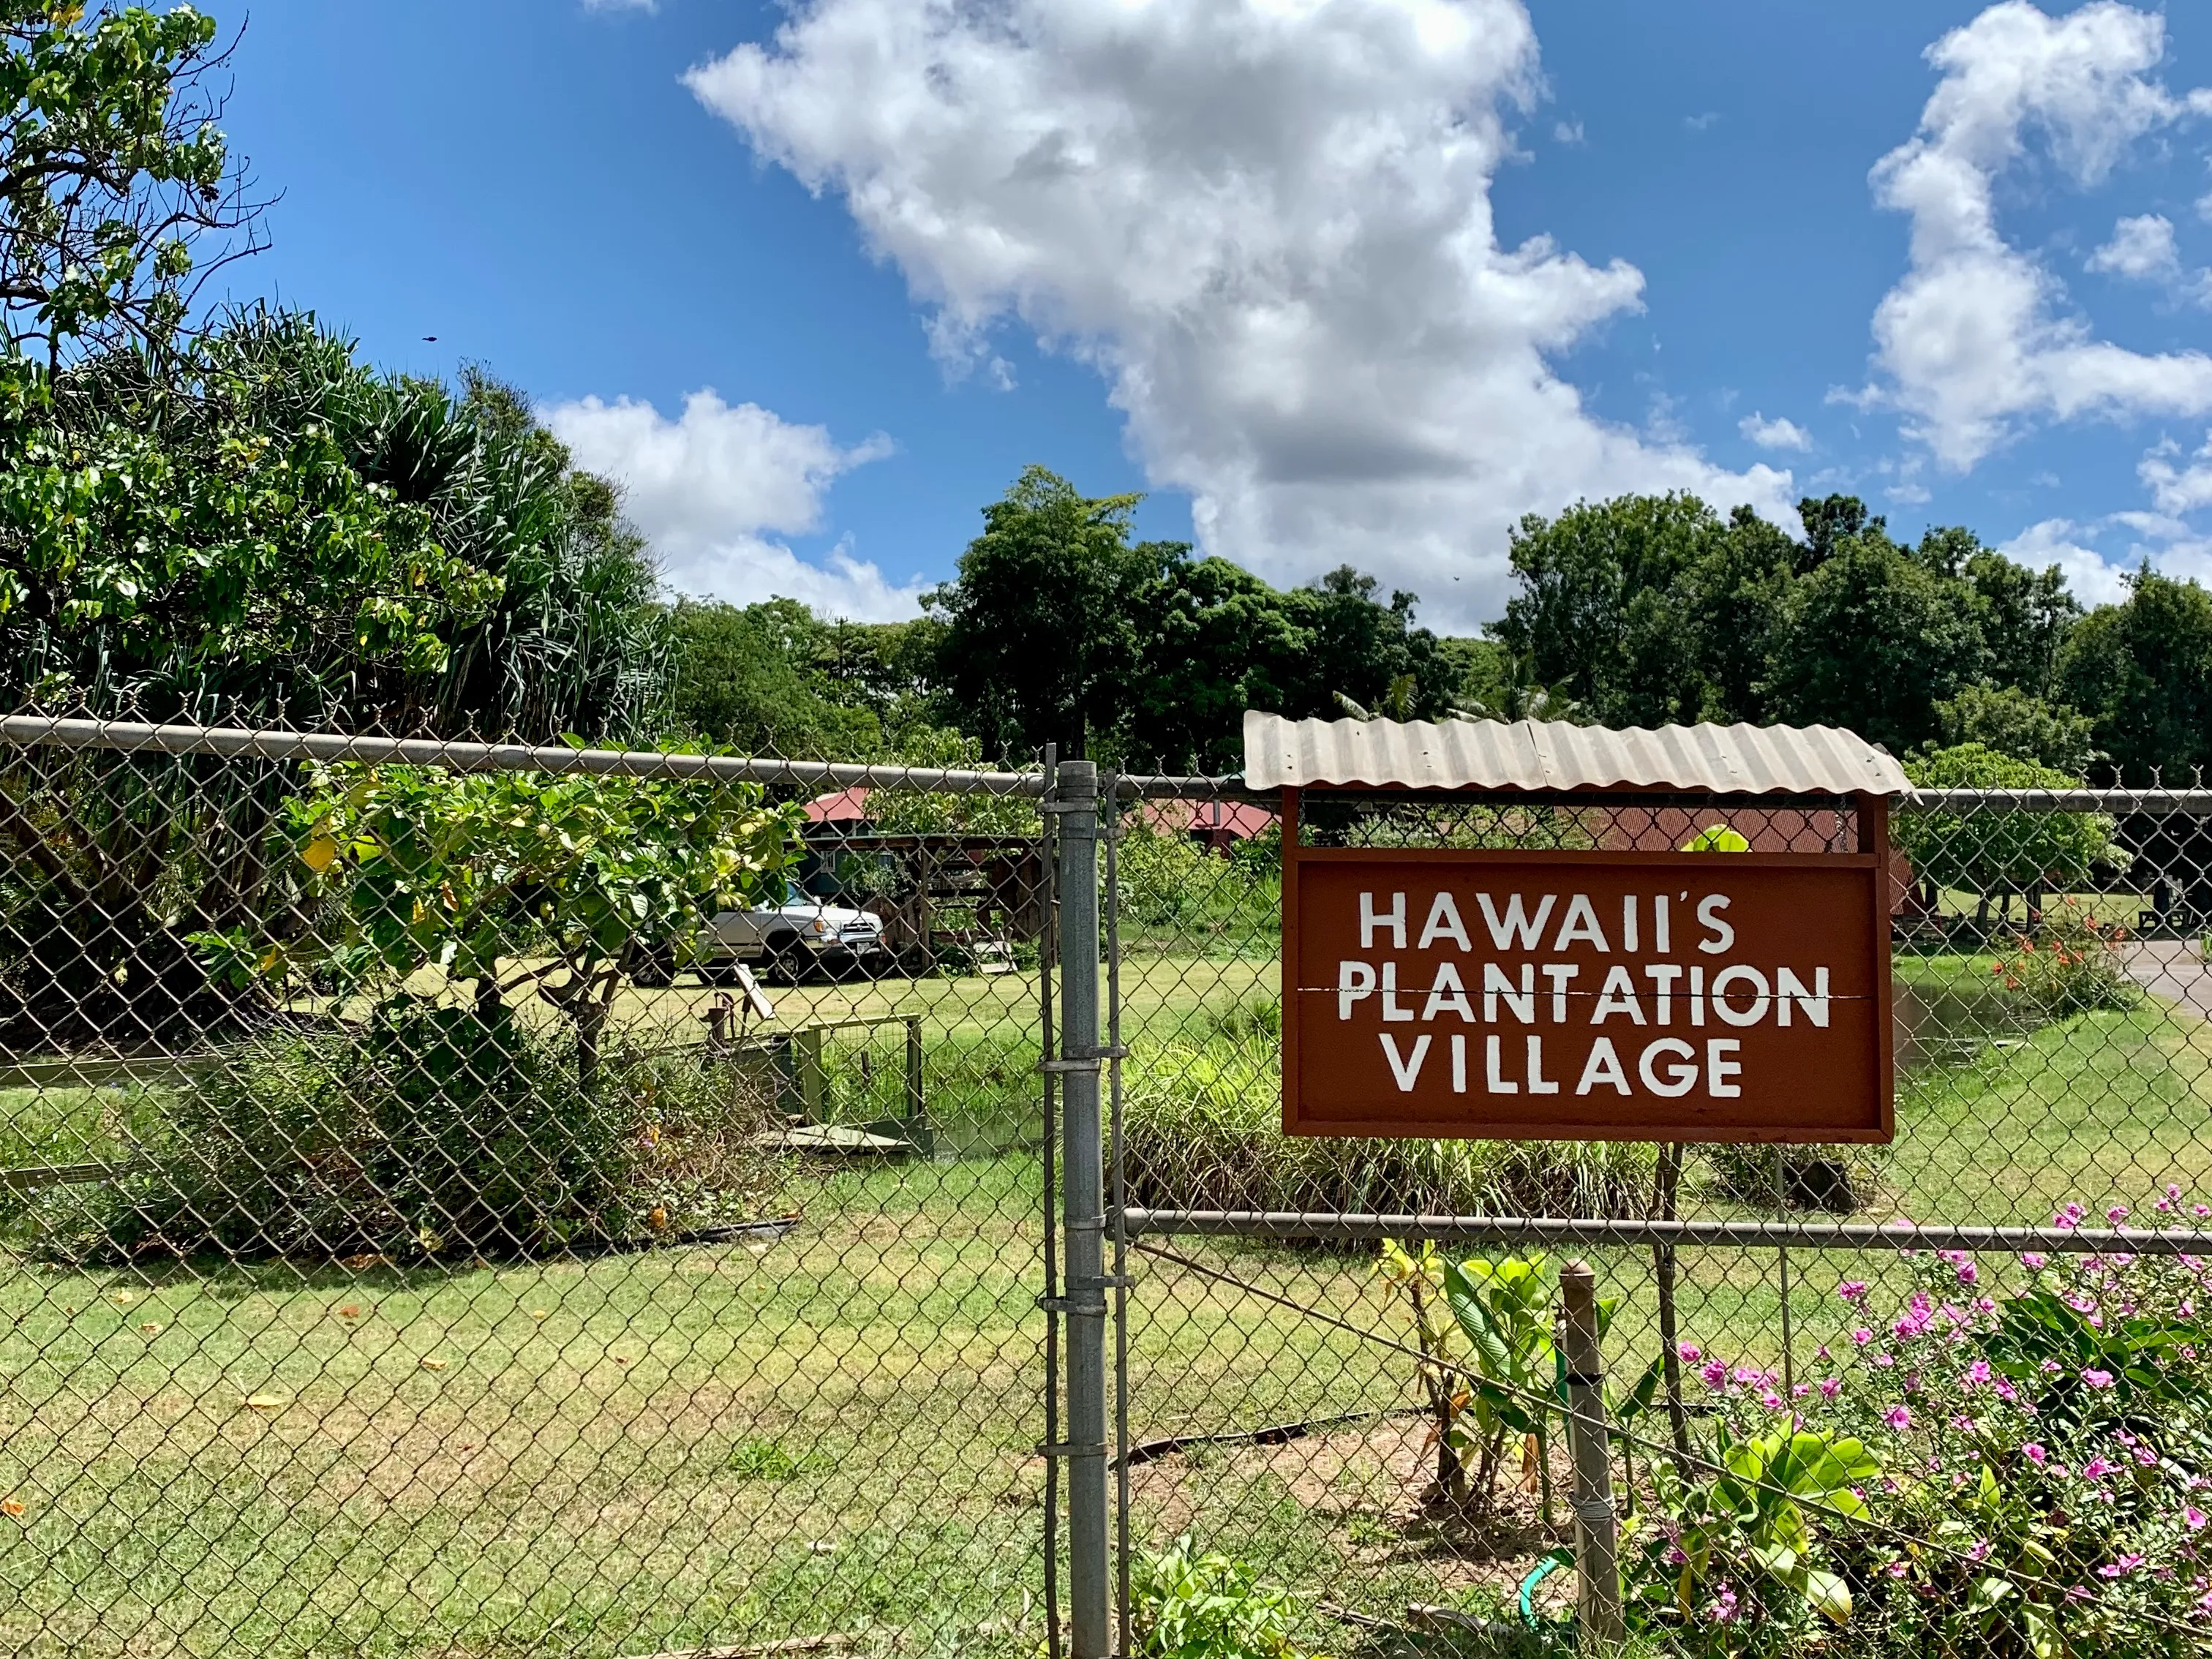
[1356, 645]
[2143, 671]
[1041, 625]
[2012, 722]
[750, 678]
[515, 881]
[2025, 616]
[113, 175]
[1872, 640]
[1218, 641]
[1604, 596]
[1995, 853]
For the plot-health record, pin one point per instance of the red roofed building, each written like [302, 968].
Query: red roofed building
[1218, 824]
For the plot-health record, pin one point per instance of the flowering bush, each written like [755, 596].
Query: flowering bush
[2026, 1474]
[2072, 965]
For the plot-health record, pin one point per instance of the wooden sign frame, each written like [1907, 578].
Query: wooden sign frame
[1863, 1113]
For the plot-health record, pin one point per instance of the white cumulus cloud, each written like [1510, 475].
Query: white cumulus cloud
[2141, 247]
[709, 490]
[1267, 224]
[1972, 344]
[2178, 489]
[1777, 434]
[2065, 543]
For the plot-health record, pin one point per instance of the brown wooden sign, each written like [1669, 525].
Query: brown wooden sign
[1588, 996]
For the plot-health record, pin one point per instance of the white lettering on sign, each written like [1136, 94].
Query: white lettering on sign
[1449, 991]
[1716, 1068]
[1728, 978]
[1391, 1010]
[1495, 985]
[1354, 980]
[1536, 1083]
[1603, 1065]
[1444, 923]
[1407, 1072]
[1789, 988]
[1516, 923]
[1619, 997]
[1680, 1078]
[1559, 973]
[1393, 918]
[1580, 923]
[1708, 912]
[1494, 1080]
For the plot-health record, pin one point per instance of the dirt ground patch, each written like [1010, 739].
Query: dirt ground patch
[1370, 1489]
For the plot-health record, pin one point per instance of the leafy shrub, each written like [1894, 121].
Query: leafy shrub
[1173, 893]
[1201, 1128]
[435, 1130]
[1189, 1606]
[1733, 1543]
[2072, 965]
[2043, 1460]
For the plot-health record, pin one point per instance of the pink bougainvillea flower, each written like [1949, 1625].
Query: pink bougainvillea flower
[1715, 1375]
[2192, 1517]
[1980, 1551]
[1977, 1373]
[1860, 1337]
[1852, 1290]
[2034, 1453]
[2097, 1379]
[2097, 1468]
[1831, 1387]
[1772, 1401]
[1899, 1568]
[2117, 1215]
[1690, 1353]
[1898, 1417]
[2033, 1262]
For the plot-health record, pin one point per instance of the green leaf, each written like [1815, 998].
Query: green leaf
[1830, 1595]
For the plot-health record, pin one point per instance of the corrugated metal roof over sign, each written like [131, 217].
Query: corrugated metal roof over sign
[1750, 760]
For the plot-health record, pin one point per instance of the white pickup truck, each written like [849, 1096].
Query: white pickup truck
[791, 941]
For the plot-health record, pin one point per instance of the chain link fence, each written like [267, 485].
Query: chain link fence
[473, 1200]
[1947, 1395]
[457, 1200]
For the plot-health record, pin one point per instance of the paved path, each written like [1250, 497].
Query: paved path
[2174, 970]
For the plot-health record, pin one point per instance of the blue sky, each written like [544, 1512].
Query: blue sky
[1359, 280]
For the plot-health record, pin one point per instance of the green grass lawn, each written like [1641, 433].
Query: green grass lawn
[734, 1443]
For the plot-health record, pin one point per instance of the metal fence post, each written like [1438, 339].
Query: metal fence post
[1597, 1567]
[1083, 1211]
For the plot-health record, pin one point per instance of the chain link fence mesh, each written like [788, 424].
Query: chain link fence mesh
[465, 1201]
[1856, 1435]
[474, 1201]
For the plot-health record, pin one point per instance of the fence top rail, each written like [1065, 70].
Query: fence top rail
[43, 731]
[1636, 1231]
[35, 730]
